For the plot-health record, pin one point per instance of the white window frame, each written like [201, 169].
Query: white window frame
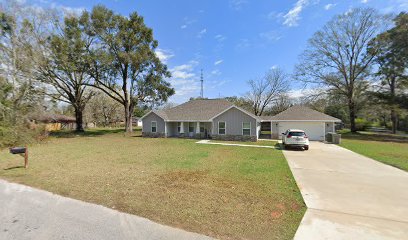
[225, 128]
[151, 126]
[250, 126]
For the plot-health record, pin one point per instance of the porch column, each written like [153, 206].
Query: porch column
[181, 127]
[165, 129]
[198, 128]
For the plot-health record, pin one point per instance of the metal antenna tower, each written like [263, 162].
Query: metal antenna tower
[202, 85]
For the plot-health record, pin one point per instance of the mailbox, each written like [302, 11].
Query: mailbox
[21, 150]
[18, 150]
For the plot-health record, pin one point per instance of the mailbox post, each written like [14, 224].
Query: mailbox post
[21, 150]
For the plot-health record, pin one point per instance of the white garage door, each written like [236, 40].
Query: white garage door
[315, 130]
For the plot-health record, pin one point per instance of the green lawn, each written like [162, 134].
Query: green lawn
[220, 191]
[386, 148]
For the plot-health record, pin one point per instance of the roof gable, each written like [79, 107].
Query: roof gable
[197, 110]
[301, 113]
[239, 109]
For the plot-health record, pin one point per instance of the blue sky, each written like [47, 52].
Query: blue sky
[231, 40]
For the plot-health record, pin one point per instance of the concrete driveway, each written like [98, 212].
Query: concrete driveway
[28, 213]
[349, 196]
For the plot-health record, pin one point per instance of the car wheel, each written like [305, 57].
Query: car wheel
[306, 148]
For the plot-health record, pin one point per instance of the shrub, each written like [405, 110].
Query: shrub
[362, 124]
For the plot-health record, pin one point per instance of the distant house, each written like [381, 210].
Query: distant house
[220, 119]
[54, 122]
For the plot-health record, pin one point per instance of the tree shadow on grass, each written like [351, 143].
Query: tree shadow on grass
[86, 133]
[11, 168]
[375, 137]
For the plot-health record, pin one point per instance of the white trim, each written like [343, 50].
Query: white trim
[181, 127]
[246, 128]
[186, 121]
[225, 128]
[233, 106]
[301, 120]
[197, 130]
[151, 126]
[146, 115]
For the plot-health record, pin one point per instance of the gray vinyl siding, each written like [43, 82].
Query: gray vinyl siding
[329, 127]
[147, 123]
[234, 119]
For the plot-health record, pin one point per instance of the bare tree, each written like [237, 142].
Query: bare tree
[266, 90]
[336, 57]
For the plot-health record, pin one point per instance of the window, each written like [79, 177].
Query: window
[221, 128]
[154, 127]
[246, 128]
[179, 127]
[201, 127]
[191, 127]
[296, 134]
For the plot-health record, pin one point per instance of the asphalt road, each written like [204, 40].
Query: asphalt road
[28, 213]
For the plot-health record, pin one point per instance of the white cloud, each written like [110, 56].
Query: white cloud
[201, 33]
[220, 38]
[218, 62]
[292, 17]
[215, 72]
[364, 1]
[274, 67]
[185, 81]
[164, 55]
[271, 36]
[275, 15]
[187, 22]
[237, 4]
[68, 10]
[243, 43]
[329, 6]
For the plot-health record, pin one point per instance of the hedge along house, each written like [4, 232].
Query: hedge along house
[314, 123]
[206, 118]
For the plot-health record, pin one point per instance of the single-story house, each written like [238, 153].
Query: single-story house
[221, 119]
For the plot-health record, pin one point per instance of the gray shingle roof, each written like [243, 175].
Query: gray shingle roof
[195, 110]
[300, 113]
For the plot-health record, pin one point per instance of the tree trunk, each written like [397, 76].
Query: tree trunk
[79, 120]
[128, 118]
[352, 111]
[393, 102]
[394, 121]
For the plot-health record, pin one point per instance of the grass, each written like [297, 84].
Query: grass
[224, 192]
[386, 148]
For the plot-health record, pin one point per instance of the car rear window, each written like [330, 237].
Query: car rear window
[297, 134]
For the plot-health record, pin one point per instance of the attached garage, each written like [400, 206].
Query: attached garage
[314, 123]
[315, 130]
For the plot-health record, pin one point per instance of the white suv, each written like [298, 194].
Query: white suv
[295, 138]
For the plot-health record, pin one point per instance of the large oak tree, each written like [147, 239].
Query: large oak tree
[336, 57]
[124, 64]
[65, 65]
